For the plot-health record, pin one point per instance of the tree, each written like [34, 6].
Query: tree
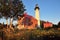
[16, 8]
[58, 24]
[4, 10]
[11, 9]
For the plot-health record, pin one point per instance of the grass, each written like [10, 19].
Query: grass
[24, 34]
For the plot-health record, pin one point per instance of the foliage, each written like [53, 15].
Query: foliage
[10, 8]
[29, 34]
[59, 24]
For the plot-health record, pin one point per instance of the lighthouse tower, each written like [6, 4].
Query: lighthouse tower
[37, 15]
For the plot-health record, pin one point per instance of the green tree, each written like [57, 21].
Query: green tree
[58, 24]
[11, 9]
[17, 9]
[4, 10]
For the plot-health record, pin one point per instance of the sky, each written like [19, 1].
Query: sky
[49, 9]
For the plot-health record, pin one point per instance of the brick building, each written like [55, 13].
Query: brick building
[27, 22]
[47, 24]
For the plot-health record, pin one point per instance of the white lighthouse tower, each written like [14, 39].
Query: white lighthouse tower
[37, 14]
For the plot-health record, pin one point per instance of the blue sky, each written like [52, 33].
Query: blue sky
[49, 9]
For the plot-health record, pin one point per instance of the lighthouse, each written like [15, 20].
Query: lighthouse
[37, 14]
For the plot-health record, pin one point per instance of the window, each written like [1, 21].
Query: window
[27, 21]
